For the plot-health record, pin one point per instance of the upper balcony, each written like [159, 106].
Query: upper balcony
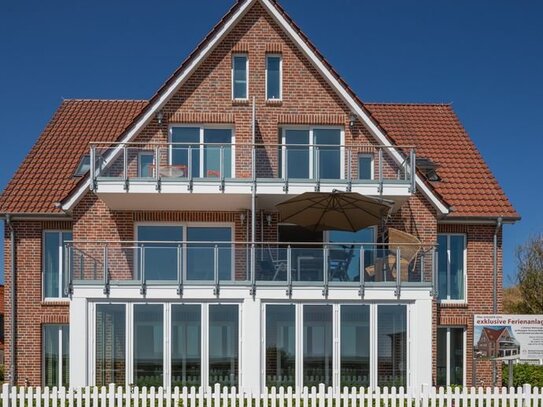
[218, 265]
[156, 175]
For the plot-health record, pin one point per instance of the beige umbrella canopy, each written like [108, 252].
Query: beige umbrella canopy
[336, 210]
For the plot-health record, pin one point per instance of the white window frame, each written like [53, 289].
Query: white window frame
[280, 56]
[202, 128]
[185, 226]
[372, 165]
[167, 341]
[448, 353]
[336, 340]
[311, 147]
[449, 300]
[246, 56]
[61, 264]
[140, 167]
[60, 350]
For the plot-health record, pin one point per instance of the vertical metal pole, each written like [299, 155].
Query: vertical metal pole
[125, 167]
[179, 271]
[349, 169]
[398, 271]
[216, 269]
[221, 169]
[253, 201]
[106, 272]
[92, 167]
[361, 272]
[380, 165]
[413, 170]
[325, 271]
[317, 175]
[289, 271]
[143, 288]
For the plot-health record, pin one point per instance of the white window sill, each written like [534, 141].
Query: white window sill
[453, 303]
[55, 301]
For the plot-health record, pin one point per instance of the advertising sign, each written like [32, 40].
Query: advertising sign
[497, 336]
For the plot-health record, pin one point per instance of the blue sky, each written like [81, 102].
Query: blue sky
[486, 57]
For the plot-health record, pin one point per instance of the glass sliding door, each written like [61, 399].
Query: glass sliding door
[327, 153]
[296, 154]
[317, 345]
[186, 345]
[189, 139]
[201, 256]
[223, 345]
[161, 260]
[148, 345]
[218, 153]
[355, 346]
[280, 345]
[110, 364]
[391, 345]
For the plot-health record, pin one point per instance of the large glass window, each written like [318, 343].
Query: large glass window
[392, 345]
[186, 345]
[327, 153]
[317, 338]
[56, 354]
[273, 77]
[53, 263]
[311, 153]
[239, 76]
[451, 272]
[201, 256]
[148, 345]
[110, 344]
[280, 345]
[160, 260]
[344, 260]
[210, 151]
[223, 344]
[450, 356]
[355, 346]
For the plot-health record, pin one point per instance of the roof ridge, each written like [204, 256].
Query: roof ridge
[102, 100]
[448, 104]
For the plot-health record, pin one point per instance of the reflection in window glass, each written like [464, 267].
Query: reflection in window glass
[450, 356]
[186, 345]
[365, 166]
[327, 153]
[451, 266]
[273, 77]
[392, 345]
[53, 263]
[317, 338]
[442, 252]
[239, 71]
[148, 345]
[56, 357]
[146, 163]
[223, 345]
[355, 346]
[180, 152]
[296, 154]
[160, 259]
[200, 256]
[110, 363]
[280, 345]
[219, 139]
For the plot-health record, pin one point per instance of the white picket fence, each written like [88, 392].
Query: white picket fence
[112, 396]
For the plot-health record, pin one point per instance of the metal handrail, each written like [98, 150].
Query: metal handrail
[168, 143]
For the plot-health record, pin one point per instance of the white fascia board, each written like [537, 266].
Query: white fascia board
[370, 125]
[166, 95]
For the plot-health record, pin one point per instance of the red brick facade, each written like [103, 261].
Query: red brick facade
[206, 98]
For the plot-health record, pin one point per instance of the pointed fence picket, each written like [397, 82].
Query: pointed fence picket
[116, 396]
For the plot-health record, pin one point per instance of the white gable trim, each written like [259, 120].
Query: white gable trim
[347, 98]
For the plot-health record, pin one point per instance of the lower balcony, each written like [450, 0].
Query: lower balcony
[219, 265]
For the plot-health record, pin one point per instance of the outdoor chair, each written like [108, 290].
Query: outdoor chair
[339, 261]
[272, 268]
[409, 246]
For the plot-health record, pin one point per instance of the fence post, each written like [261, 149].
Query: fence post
[5, 395]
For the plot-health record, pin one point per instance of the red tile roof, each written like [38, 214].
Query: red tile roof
[46, 174]
[467, 184]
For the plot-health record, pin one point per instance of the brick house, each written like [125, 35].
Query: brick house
[150, 250]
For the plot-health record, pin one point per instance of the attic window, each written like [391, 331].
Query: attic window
[83, 167]
[429, 168]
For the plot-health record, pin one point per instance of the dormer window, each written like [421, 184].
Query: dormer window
[240, 81]
[83, 166]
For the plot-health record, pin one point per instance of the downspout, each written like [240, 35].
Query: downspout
[13, 369]
[495, 288]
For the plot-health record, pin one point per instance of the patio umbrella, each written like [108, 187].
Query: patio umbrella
[336, 210]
